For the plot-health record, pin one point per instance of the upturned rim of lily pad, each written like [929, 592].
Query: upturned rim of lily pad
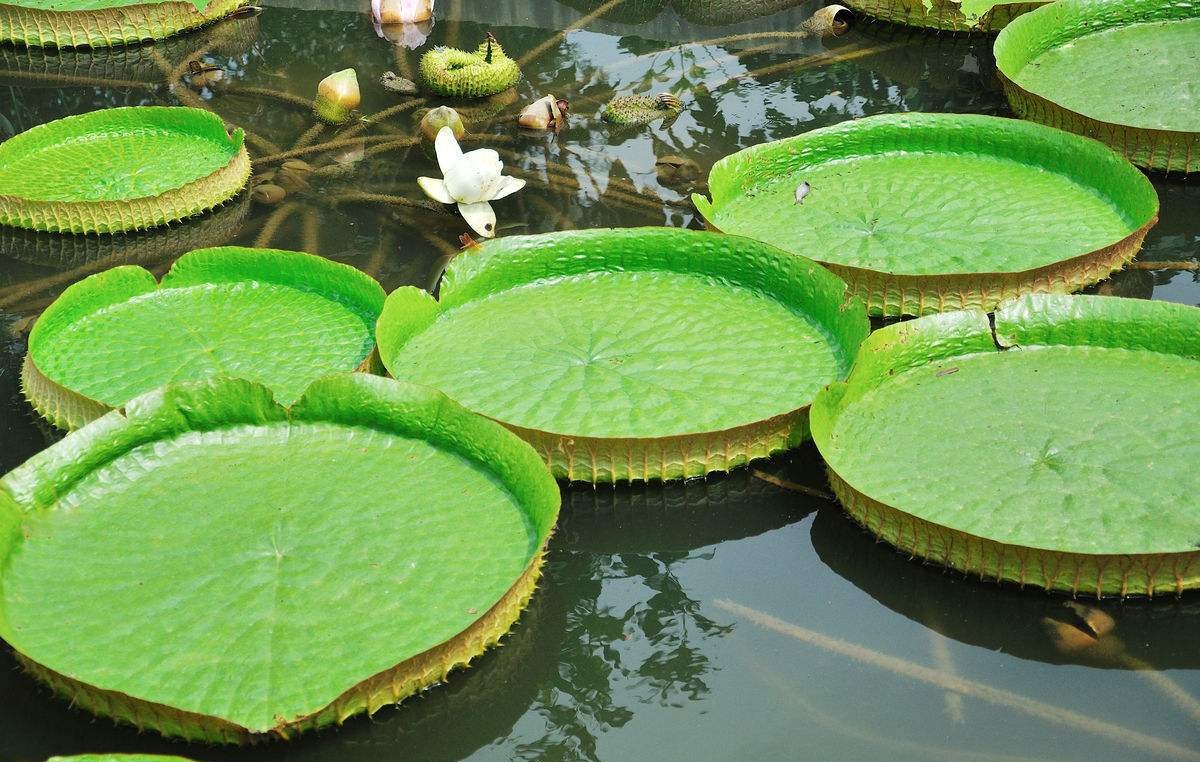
[362, 405]
[946, 15]
[194, 192]
[1061, 23]
[228, 267]
[1086, 162]
[105, 23]
[511, 262]
[1030, 324]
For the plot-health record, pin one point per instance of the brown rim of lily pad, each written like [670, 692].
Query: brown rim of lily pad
[942, 15]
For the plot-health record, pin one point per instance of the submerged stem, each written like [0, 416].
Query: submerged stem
[1118, 734]
[271, 226]
[534, 54]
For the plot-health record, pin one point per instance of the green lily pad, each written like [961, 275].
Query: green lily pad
[631, 354]
[104, 23]
[1058, 452]
[1126, 72]
[923, 213]
[120, 169]
[327, 559]
[945, 15]
[280, 318]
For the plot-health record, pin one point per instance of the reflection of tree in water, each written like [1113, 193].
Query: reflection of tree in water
[633, 633]
[616, 655]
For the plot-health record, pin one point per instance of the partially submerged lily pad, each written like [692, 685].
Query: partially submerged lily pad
[923, 213]
[1057, 452]
[945, 15]
[328, 559]
[103, 23]
[120, 169]
[630, 355]
[1126, 72]
[280, 318]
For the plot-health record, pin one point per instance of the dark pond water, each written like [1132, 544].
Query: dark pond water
[735, 619]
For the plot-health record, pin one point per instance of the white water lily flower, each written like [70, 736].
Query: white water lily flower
[471, 180]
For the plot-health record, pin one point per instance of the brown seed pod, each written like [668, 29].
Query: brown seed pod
[267, 193]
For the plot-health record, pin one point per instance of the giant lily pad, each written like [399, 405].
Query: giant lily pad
[120, 169]
[1058, 451]
[103, 23]
[628, 355]
[946, 15]
[214, 566]
[923, 213]
[118, 758]
[280, 318]
[1126, 72]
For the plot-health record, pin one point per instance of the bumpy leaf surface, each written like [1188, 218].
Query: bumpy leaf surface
[879, 196]
[1144, 75]
[214, 554]
[279, 318]
[1080, 437]
[94, 5]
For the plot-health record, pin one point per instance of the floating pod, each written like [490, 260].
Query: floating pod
[1122, 71]
[1056, 450]
[638, 110]
[120, 169]
[280, 318]
[630, 355]
[104, 23]
[455, 73]
[925, 213]
[945, 15]
[235, 570]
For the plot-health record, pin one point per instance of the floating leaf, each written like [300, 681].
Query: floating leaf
[217, 567]
[1061, 453]
[1126, 72]
[280, 318]
[120, 169]
[630, 354]
[883, 216]
[104, 23]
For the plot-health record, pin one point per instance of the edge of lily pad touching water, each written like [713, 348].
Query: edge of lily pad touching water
[942, 15]
[1032, 321]
[1066, 20]
[195, 195]
[353, 400]
[512, 261]
[122, 22]
[68, 409]
[895, 294]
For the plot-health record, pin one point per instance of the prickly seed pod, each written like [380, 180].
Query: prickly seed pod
[337, 96]
[437, 118]
[267, 193]
[394, 83]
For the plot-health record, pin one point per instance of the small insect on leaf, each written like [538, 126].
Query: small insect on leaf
[802, 191]
[945, 372]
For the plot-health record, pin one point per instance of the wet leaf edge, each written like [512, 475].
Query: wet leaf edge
[109, 27]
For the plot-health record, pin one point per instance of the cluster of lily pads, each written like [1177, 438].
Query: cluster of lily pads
[230, 424]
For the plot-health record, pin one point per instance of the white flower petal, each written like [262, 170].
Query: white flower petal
[485, 156]
[506, 187]
[481, 217]
[435, 189]
[470, 182]
[447, 149]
